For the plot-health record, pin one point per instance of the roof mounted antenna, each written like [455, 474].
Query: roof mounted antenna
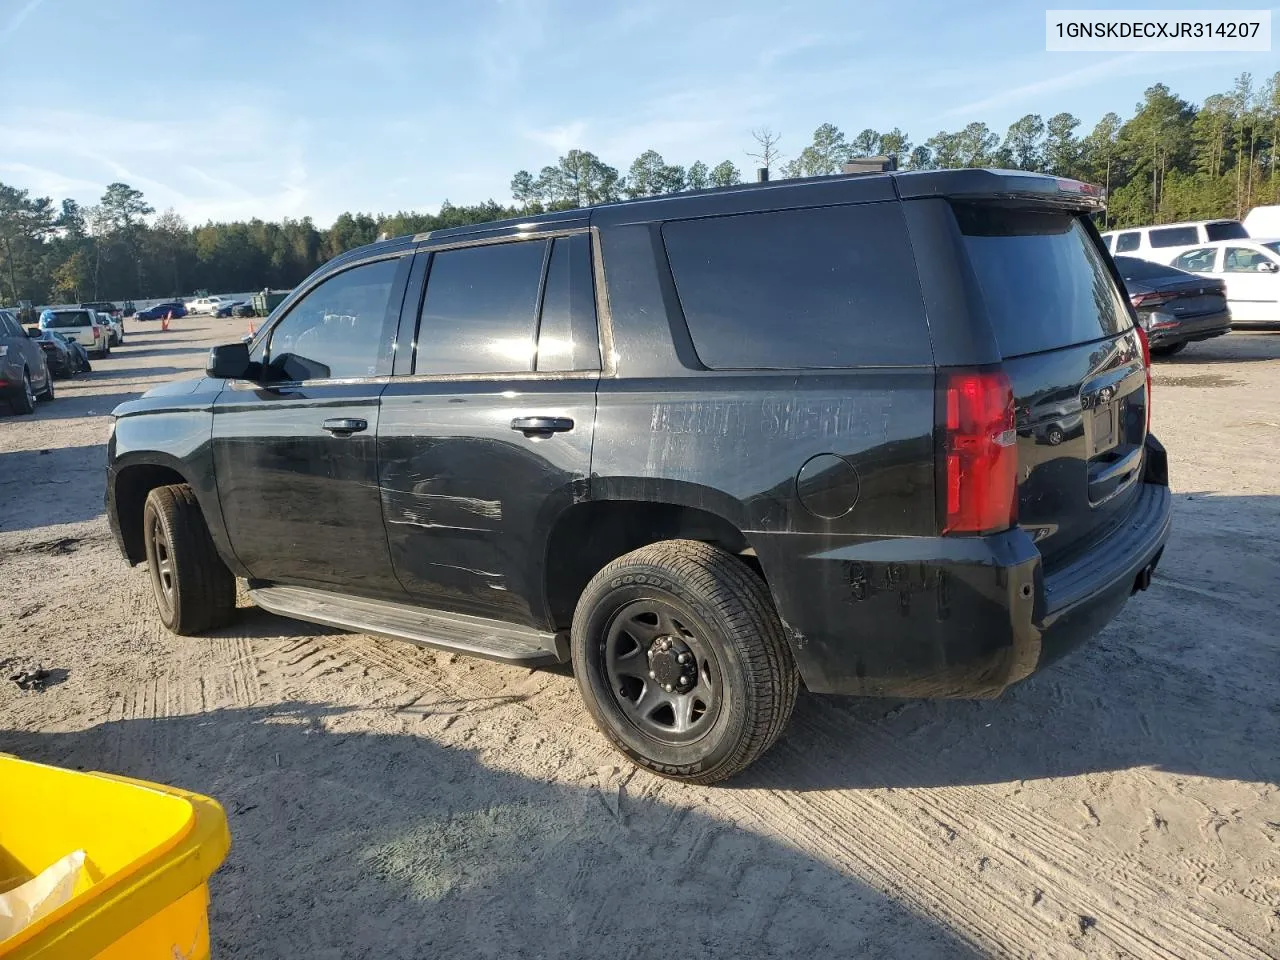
[870, 165]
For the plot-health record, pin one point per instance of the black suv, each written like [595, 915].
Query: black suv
[879, 434]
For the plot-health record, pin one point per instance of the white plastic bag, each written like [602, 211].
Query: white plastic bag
[40, 895]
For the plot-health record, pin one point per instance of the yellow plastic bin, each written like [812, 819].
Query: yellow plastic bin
[149, 853]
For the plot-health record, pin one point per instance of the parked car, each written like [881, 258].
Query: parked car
[1174, 307]
[227, 308]
[244, 310]
[65, 359]
[24, 372]
[103, 307]
[82, 326]
[1250, 270]
[1166, 241]
[115, 328]
[705, 446]
[1263, 223]
[207, 305]
[171, 308]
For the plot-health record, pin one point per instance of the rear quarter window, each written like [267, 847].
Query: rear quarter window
[1226, 230]
[1173, 237]
[828, 287]
[1128, 241]
[1044, 281]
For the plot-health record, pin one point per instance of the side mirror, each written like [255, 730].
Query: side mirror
[1266, 266]
[33, 333]
[229, 361]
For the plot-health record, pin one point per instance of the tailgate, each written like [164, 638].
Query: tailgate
[1076, 366]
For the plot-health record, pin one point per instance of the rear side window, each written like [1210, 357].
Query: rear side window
[480, 308]
[1044, 281]
[1226, 230]
[1127, 241]
[567, 334]
[826, 287]
[1173, 237]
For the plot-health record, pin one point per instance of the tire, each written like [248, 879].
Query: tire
[87, 368]
[194, 589]
[1054, 436]
[710, 608]
[48, 393]
[1170, 350]
[23, 400]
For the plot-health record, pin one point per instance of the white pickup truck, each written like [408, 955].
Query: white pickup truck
[83, 326]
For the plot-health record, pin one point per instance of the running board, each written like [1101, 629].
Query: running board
[474, 636]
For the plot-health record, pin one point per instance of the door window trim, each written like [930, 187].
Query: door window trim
[411, 314]
[265, 335]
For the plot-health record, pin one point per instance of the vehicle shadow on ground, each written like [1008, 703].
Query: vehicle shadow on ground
[1183, 680]
[352, 843]
[57, 485]
[128, 352]
[1237, 346]
[138, 373]
[72, 402]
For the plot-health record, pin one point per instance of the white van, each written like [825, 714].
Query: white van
[1263, 223]
[83, 326]
[1161, 244]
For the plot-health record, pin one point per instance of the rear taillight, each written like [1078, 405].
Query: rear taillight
[1146, 364]
[981, 453]
[1149, 299]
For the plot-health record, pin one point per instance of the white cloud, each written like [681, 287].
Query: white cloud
[1085, 76]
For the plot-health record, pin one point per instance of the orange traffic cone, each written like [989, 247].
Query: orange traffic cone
[252, 331]
[164, 324]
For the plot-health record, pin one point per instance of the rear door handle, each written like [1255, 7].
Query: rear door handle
[541, 426]
[345, 426]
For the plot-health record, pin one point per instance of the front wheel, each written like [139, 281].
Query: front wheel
[48, 392]
[194, 589]
[682, 662]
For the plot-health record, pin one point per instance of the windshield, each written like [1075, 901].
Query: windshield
[55, 319]
[1273, 246]
[1042, 276]
[1226, 230]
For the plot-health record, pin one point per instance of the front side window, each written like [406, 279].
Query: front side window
[480, 308]
[1196, 261]
[1174, 237]
[1127, 241]
[340, 329]
[1243, 260]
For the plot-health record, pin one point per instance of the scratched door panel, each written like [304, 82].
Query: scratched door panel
[468, 501]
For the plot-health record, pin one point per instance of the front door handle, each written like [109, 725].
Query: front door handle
[541, 426]
[345, 426]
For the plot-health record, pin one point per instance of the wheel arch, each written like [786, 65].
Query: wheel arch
[589, 534]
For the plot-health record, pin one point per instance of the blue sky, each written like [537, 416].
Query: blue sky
[273, 108]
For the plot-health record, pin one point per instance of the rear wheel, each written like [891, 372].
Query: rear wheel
[1168, 351]
[682, 662]
[23, 398]
[194, 589]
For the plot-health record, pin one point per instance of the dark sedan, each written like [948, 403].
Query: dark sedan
[174, 309]
[1174, 307]
[65, 357]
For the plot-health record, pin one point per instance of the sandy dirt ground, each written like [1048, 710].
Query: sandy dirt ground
[388, 801]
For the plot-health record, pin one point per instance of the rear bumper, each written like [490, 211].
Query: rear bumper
[1187, 330]
[954, 617]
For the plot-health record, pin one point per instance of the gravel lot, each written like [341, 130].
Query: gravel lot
[388, 801]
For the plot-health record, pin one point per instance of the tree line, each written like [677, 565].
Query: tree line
[1170, 160]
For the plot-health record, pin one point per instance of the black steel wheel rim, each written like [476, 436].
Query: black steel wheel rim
[162, 572]
[662, 672]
